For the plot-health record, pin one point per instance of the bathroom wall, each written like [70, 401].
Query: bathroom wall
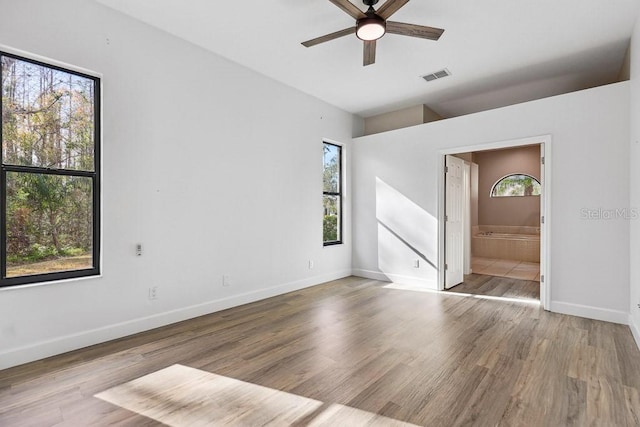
[494, 165]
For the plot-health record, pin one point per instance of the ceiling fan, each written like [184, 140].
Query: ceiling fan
[373, 24]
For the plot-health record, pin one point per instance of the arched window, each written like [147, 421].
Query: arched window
[516, 185]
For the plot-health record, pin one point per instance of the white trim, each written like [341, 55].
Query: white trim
[531, 140]
[52, 282]
[442, 190]
[635, 331]
[545, 229]
[47, 348]
[545, 180]
[589, 312]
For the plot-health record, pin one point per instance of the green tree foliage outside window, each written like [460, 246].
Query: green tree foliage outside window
[49, 171]
[516, 185]
[332, 194]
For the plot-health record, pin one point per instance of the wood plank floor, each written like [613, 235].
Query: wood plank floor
[423, 358]
[495, 286]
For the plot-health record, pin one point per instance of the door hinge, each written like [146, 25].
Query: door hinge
[446, 218]
[446, 169]
[446, 266]
[542, 219]
[542, 160]
[542, 278]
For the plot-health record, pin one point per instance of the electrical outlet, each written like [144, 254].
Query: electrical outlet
[139, 249]
[153, 293]
[226, 280]
[310, 265]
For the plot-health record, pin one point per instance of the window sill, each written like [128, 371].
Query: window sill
[48, 283]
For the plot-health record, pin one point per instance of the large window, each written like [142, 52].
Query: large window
[49, 189]
[332, 194]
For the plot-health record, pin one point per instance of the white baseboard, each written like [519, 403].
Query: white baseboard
[635, 330]
[52, 347]
[597, 313]
[395, 278]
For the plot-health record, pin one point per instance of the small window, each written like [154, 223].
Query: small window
[516, 185]
[49, 177]
[332, 195]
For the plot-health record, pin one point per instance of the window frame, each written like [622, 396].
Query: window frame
[339, 193]
[499, 180]
[94, 175]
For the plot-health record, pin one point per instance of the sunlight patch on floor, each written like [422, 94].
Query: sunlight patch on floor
[402, 287]
[183, 396]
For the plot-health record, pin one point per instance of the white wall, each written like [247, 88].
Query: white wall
[634, 319]
[214, 168]
[589, 266]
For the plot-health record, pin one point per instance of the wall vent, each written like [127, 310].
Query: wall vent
[437, 75]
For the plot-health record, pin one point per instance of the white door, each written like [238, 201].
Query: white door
[454, 222]
[543, 243]
[466, 224]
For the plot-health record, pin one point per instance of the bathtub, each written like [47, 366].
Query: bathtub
[506, 242]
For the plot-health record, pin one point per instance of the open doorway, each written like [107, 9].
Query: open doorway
[493, 232]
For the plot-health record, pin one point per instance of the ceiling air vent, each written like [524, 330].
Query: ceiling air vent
[437, 75]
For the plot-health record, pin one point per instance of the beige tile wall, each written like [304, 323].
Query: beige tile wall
[513, 249]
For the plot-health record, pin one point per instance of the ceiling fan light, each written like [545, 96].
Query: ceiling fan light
[370, 28]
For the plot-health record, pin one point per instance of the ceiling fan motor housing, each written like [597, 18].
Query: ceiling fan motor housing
[369, 2]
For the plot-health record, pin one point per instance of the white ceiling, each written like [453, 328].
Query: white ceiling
[498, 51]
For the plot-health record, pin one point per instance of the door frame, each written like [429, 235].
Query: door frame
[466, 233]
[545, 211]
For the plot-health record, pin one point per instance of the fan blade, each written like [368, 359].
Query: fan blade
[369, 52]
[412, 30]
[390, 7]
[329, 37]
[349, 8]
